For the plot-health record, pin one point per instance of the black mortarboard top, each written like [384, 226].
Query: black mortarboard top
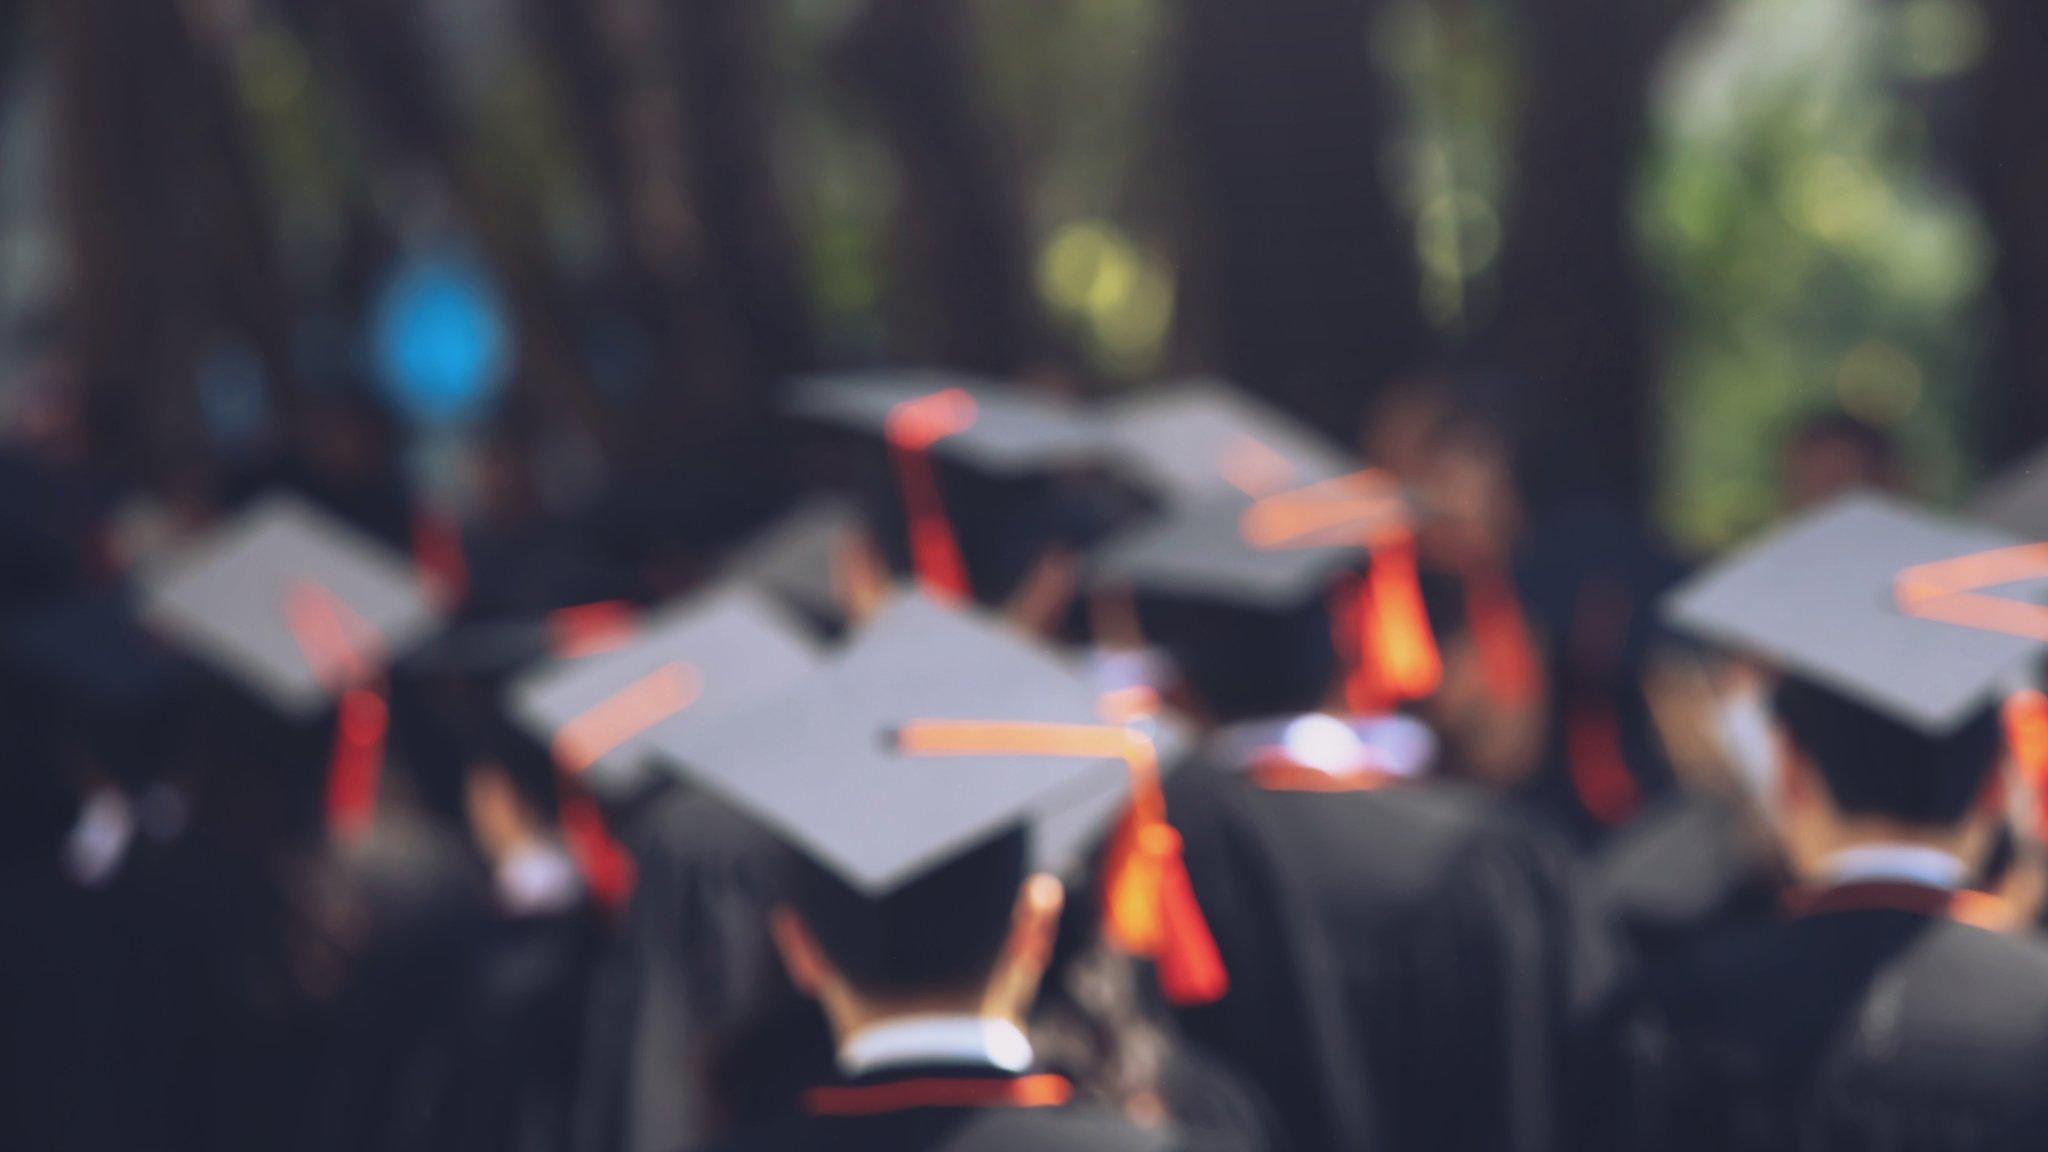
[289, 603]
[820, 767]
[1819, 599]
[688, 664]
[1204, 439]
[1005, 430]
[2016, 500]
[799, 557]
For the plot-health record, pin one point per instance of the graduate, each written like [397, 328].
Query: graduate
[923, 904]
[1887, 1005]
[1398, 948]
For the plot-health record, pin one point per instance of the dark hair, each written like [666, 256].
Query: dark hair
[1876, 766]
[1247, 663]
[943, 932]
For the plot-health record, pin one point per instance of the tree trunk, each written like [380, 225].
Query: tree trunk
[2010, 170]
[1573, 322]
[1306, 269]
[961, 233]
[168, 227]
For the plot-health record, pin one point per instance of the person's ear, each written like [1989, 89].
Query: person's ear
[810, 971]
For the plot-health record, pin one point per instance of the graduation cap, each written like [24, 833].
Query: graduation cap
[2016, 500]
[303, 613]
[997, 430]
[802, 557]
[290, 603]
[1203, 439]
[1831, 598]
[828, 767]
[1286, 552]
[605, 716]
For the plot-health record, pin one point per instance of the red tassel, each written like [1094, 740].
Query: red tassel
[438, 554]
[588, 629]
[912, 428]
[606, 867]
[1599, 771]
[356, 768]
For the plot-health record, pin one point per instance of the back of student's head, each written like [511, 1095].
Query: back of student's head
[941, 933]
[1874, 765]
[1247, 663]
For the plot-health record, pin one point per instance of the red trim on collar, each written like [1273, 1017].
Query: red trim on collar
[1965, 906]
[1044, 1090]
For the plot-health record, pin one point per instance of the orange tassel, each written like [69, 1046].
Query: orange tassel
[2026, 731]
[1403, 648]
[1190, 965]
[911, 429]
[1149, 905]
[588, 629]
[1351, 616]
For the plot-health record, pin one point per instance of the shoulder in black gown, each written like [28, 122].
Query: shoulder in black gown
[1877, 1025]
[1398, 977]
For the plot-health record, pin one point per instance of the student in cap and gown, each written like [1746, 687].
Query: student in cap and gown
[1888, 1006]
[911, 912]
[1402, 954]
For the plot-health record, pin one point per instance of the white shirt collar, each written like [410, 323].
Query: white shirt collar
[1393, 744]
[537, 880]
[936, 1039]
[1904, 863]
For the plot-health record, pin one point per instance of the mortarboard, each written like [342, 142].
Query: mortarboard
[1003, 433]
[1004, 429]
[817, 764]
[2016, 500]
[801, 557]
[290, 603]
[1204, 439]
[602, 715]
[1821, 598]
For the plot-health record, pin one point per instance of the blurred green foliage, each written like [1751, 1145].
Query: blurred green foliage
[1810, 248]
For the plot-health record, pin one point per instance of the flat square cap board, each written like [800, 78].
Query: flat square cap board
[229, 599]
[1204, 439]
[1200, 551]
[1817, 599]
[798, 557]
[818, 765]
[689, 664]
[1013, 430]
[2016, 500]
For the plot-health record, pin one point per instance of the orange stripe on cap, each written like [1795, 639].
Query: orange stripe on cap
[1149, 901]
[911, 429]
[342, 650]
[1950, 591]
[625, 714]
[1041, 1091]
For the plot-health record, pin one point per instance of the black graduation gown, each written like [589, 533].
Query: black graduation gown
[1691, 867]
[897, 1111]
[1399, 973]
[1870, 1021]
